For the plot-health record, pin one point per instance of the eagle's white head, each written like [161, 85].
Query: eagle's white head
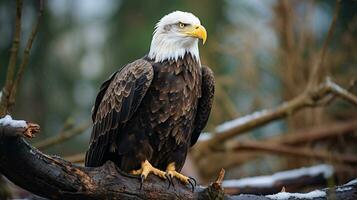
[174, 35]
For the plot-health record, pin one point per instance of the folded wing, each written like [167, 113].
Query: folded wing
[117, 101]
[204, 103]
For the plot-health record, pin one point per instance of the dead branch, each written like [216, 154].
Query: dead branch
[341, 92]
[317, 74]
[26, 56]
[55, 178]
[293, 151]
[12, 61]
[11, 83]
[312, 97]
[316, 133]
[229, 159]
[62, 136]
[291, 180]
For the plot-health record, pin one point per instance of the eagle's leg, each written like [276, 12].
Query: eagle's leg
[171, 172]
[146, 169]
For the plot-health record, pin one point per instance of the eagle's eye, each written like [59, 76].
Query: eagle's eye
[182, 25]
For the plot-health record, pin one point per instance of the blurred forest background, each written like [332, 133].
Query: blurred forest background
[261, 52]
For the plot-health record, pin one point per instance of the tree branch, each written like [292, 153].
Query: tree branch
[312, 97]
[229, 159]
[12, 61]
[11, 84]
[291, 180]
[317, 75]
[315, 134]
[339, 91]
[55, 178]
[26, 56]
[293, 151]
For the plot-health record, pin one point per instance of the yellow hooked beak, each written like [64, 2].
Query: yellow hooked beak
[198, 31]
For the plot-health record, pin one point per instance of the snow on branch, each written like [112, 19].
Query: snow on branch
[268, 181]
[291, 179]
[8, 121]
[346, 191]
[20, 127]
[286, 195]
[353, 182]
[239, 121]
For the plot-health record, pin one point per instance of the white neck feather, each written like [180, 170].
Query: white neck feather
[172, 48]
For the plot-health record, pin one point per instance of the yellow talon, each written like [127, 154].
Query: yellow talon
[146, 169]
[171, 171]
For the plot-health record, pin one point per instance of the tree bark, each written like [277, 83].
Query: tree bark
[54, 178]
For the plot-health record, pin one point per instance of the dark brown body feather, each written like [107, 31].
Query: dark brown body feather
[152, 111]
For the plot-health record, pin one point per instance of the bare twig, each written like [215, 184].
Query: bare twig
[338, 90]
[218, 183]
[68, 124]
[334, 95]
[317, 74]
[62, 136]
[26, 57]
[315, 134]
[12, 61]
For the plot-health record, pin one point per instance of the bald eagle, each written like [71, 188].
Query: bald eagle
[150, 112]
